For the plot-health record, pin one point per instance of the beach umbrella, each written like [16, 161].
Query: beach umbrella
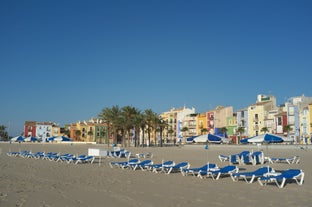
[61, 139]
[18, 139]
[50, 139]
[31, 139]
[265, 138]
[214, 138]
[190, 139]
[202, 138]
[244, 141]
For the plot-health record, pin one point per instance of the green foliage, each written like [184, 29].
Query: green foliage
[3, 133]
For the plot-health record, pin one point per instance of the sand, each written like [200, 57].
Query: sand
[30, 182]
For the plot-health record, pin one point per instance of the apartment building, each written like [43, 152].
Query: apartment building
[258, 114]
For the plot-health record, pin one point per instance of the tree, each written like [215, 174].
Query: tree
[160, 126]
[67, 132]
[240, 131]
[264, 129]
[78, 134]
[128, 120]
[170, 132]
[3, 133]
[140, 124]
[90, 134]
[203, 130]
[223, 130]
[111, 117]
[183, 130]
[152, 120]
[287, 129]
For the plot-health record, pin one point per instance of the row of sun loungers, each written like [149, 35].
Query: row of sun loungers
[53, 156]
[149, 165]
[263, 175]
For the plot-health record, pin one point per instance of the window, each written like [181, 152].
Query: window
[291, 111]
[279, 121]
[291, 120]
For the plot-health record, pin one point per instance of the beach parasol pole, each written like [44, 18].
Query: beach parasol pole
[206, 148]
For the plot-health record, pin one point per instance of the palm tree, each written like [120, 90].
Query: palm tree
[240, 131]
[128, 116]
[140, 124]
[110, 116]
[264, 129]
[90, 134]
[170, 132]
[160, 125]
[287, 128]
[78, 134]
[3, 132]
[151, 119]
[203, 130]
[67, 132]
[223, 130]
[184, 129]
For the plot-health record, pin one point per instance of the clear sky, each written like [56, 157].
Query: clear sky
[66, 60]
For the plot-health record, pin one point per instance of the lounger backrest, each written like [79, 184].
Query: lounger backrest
[263, 170]
[228, 168]
[181, 164]
[290, 173]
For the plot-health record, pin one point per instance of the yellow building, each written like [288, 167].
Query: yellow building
[201, 125]
[174, 119]
[93, 130]
[257, 114]
[190, 123]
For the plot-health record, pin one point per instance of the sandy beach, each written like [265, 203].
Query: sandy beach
[30, 182]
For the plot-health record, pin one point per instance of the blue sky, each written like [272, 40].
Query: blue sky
[66, 60]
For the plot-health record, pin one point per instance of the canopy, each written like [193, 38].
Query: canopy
[214, 138]
[31, 139]
[269, 138]
[18, 139]
[244, 141]
[59, 139]
[190, 139]
[201, 138]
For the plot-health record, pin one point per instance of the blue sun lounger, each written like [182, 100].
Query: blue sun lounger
[159, 167]
[124, 164]
[252, 175]
[216, 173]
[176, 168]
[143, 165]
[280, 179]
[195, 170]
[289, 160]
